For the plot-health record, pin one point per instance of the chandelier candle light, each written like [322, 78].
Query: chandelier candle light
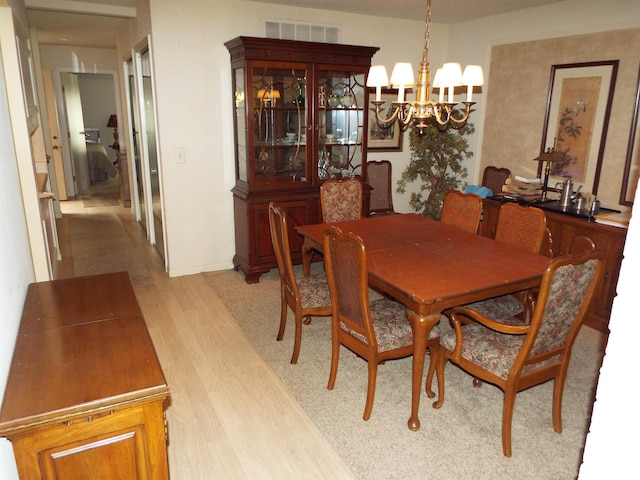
[424, 111]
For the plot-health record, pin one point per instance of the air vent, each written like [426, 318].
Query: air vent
[301, 31]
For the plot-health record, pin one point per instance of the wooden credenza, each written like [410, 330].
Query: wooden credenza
[564, 229]
[86, 394]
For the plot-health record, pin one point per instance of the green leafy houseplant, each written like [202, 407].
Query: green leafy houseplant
[436, 161]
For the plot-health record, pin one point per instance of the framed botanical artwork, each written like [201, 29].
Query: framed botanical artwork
[632, 164]
[381, 136]
[577, 120]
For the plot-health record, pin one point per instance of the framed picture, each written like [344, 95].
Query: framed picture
[383, 137]
[632, 164]
[577, 120]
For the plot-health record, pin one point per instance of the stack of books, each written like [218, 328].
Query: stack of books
[527, 187]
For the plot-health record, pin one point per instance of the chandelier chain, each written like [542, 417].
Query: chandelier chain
[427, 31]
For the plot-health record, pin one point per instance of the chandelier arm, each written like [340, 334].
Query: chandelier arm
[406, 115]
[394, 115]
[465, 117]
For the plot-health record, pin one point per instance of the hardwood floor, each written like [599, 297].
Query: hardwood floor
[229, 416]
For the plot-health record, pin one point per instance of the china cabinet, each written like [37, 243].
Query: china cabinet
[300, 118]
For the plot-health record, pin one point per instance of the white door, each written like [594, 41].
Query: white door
[58, 165]
[75, 121]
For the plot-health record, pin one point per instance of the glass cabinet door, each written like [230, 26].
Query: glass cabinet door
[278, 126]
[341, 115]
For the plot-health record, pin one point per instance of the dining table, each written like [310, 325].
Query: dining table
[430, 266]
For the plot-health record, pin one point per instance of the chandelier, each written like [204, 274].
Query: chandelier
[423, 111]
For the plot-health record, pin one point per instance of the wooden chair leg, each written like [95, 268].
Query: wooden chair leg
[434, 350]
[507, 420]
[441, 360]
[298, 339]
[371, 389]
[283, 319]
[335, 356]
[558, 388]
[477, 383]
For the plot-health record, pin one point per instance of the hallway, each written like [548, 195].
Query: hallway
[229, 415]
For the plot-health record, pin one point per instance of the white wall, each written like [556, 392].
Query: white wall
[16, 269]
[611, 445]
[188, 42]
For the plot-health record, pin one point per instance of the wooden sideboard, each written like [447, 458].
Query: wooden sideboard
[85, 394]
[564, 228]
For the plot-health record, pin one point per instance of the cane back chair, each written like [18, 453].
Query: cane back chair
[305, 296]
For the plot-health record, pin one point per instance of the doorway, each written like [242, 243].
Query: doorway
[86, 103]
[142, 136]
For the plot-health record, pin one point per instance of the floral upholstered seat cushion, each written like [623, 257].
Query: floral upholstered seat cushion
[496, 352]
[493, 351]
[313, 290]
[504, 306]
[391, 325]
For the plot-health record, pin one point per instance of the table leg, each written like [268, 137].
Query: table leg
[420, 326]
[307, 254]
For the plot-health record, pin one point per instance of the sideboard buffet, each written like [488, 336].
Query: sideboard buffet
[85, 395]
[564, 228]
[300, 118]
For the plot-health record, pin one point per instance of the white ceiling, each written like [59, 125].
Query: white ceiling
[94, 23]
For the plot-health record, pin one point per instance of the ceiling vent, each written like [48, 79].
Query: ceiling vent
[305, 32]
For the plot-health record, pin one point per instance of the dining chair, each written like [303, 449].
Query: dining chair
[516, 356]
[494, 178]
[305, 296]
[341, 200]
[379, 179]
[523, 227]
[462, 210]
[375, 330]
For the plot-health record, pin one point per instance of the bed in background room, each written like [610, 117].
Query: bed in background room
[100, 165]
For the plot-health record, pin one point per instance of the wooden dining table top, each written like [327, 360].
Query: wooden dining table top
[430, 266]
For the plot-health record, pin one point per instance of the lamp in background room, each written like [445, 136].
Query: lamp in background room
[423, 111]
[113, 123]
[550, 156]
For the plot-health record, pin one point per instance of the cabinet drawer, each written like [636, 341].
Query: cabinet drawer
[128, 443]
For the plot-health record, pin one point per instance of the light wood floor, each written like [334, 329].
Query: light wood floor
[230, 417]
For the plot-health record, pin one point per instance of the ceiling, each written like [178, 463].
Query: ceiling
[94, 23]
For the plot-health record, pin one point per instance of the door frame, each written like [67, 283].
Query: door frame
[141, 125]
[63, 121]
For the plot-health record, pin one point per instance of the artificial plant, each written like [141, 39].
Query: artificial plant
[437, 156]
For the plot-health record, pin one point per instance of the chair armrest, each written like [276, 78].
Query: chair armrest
[463, 316]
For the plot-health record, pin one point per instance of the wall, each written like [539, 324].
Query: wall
[513, 139]
[557, 20]
[188, 42]
[16, 269]
[189, 52]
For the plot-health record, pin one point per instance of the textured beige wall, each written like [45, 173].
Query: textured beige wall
[517, 101]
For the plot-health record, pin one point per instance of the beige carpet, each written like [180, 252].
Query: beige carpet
[100, 244]
[462, 440]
